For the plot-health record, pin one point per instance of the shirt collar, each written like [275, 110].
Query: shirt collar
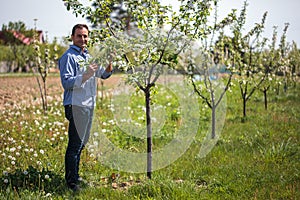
[78, 49]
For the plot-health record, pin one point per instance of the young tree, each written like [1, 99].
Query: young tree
[45, 58]
[278, 62]
[284, 69]
[203, 67]
[270, 63]
[294, 57]
[247, 54]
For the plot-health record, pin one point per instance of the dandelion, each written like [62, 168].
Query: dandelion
[48, 195]
[111, 122]
[137, 124]
[47, 176]
[96, 134]
[36, 122]
[140, 118]
[5, 181]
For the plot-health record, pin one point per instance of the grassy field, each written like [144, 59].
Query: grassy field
[258, 158]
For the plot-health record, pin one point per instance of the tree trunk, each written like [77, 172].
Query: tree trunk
[244, 107]
[278, 89]
[149, 133]
[266, 99]
[213, 123]
[41, 92]
[45, 96]
[285, 86]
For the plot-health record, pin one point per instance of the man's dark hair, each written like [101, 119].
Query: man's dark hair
[79, 26]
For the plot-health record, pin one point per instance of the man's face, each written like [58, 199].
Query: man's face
[80, 37]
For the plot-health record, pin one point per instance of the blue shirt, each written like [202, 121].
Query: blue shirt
[71, 71]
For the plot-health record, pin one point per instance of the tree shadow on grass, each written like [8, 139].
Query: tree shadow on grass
[33, 179]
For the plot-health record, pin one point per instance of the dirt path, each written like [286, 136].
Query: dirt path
[16, 91]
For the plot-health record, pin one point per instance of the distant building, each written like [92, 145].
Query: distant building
[20, 37]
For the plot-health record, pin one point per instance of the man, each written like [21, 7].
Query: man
[79, 98]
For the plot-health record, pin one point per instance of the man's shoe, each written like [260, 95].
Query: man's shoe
[74, 187]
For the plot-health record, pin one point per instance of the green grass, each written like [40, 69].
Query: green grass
[256, 159]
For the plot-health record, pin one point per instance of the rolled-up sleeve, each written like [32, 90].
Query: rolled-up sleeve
[70, 78]
[102, 73]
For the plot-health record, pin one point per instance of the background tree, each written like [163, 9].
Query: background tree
[247, 55]
[284, 69]
[205, 62]
[294, 57]
[269, 67]
[18, 48]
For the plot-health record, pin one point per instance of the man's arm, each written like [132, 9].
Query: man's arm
[89, 72]
[92, 69]
[109, 68]
[67, 67]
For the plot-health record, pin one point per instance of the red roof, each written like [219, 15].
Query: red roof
[25, 40]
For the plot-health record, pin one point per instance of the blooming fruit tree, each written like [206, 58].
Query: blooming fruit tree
[146, 38]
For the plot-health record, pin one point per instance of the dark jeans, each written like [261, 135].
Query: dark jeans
[80, 122]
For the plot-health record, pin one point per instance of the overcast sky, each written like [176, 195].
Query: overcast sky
[54, 18]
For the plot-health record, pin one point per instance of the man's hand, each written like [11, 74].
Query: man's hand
[92, 68]
[110, 59]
